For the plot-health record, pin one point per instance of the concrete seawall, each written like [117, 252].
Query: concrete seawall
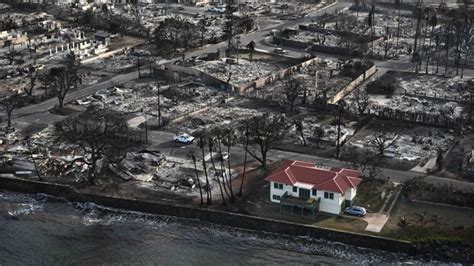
[217, 217]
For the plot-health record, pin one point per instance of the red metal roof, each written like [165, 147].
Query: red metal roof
[333, 180]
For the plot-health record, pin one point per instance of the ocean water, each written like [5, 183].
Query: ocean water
[41, 230]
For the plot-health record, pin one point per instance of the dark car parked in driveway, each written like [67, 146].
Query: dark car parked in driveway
[355, 211]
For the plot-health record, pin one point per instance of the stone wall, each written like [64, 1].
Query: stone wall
[351, 86]
[269, 79]
[202, 76]
[217, 217]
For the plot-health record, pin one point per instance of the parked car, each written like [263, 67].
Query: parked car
[355, 211]
[183, 138]
[279, 51]
[39, 66]
[217, 156]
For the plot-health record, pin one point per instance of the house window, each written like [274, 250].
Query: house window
[328, 195]
[295, 189]
[313, 192]
[276, 197]
[277, 186]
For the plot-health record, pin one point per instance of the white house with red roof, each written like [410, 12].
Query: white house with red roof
[306, 185]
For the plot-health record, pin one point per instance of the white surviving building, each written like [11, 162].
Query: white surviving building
[307, 186]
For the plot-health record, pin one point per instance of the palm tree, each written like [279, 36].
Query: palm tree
[246, 135]
[467, 36]
[371, 22]
[201, 136]
[432, 21]
[210, 142]
[418, 14]
[437, 40]
[219, 135]
[229, 140]
[457, 22]
[397, 3]
[193, 157]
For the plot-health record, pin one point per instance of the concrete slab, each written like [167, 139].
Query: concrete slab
[376, 221]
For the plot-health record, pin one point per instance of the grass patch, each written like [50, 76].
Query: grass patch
[419, 234]
[341, 223]
[369, 194]
[452, 224]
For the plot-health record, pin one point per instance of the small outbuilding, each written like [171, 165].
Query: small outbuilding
[103, 37]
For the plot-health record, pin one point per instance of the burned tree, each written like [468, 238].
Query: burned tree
[174, 33]
[265, 131]
[229, 24]
[202, 30]
[368, 162]
[362, 102]
[62, 79]
[293, 88]
[382, 142]
[13, 55]
[32, 75]
[318, 134]
[101, 135]
[9, 104]
[298, 122]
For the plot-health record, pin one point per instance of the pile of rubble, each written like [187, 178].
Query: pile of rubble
[310, 123]
[415, 105]
[438, 86]
[116, 64]
[240, 73]
[331, 40]
[321, 81]
[217, 115]
[176, 100]
[411, 143]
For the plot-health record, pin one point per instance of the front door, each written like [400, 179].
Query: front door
[304, 193]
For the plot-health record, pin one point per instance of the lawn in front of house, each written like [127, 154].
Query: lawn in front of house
[372, 193]
[425, 221]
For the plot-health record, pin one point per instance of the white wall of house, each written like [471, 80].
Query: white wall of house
[328, 205]
[331, 205]
[350, 193]
[279, 192]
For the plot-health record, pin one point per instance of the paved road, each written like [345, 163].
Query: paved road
[39, 112]
[163, 141]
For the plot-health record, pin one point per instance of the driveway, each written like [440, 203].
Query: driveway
[375, 221]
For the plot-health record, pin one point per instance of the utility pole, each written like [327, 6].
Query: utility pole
[146, 125]
[238, 44]
[159, 106]
[398, 27]
[340, 108]
[138, 61]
